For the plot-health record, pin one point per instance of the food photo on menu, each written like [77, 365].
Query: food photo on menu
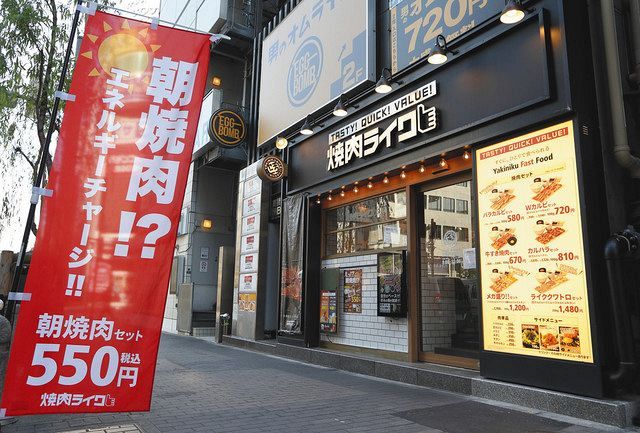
[549, 280]
[531, 336]
[501, 198]
[501, 281]
[545, 188]
[546, 232]
[501, 237]
[549, 339]
[570, 339]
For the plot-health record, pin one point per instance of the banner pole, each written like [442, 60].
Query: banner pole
[10, 304]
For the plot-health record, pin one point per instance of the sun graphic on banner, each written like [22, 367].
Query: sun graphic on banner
[125, 48]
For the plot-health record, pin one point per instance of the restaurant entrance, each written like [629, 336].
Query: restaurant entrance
[448, 283]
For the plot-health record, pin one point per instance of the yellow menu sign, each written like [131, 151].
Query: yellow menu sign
[534, 288]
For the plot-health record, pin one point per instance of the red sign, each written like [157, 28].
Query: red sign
[87, 340]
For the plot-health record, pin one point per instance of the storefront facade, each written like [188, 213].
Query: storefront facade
[459, 219]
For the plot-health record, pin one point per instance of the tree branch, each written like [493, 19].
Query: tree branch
[31, 163]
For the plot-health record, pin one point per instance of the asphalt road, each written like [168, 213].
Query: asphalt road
[204, 387]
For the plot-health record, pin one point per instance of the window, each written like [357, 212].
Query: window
[437, 234]
[435, 202]
[462, 206]
[461, 232]
[373, 224]
[448, 204]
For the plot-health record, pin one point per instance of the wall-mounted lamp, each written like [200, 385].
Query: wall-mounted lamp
[340, 110]
[384, 83]
[306, 128]
[207, 224]
[513, 12]
[216, 81]
[438, 55]
[281, 143]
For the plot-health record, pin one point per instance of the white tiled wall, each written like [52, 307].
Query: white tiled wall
[366, 329]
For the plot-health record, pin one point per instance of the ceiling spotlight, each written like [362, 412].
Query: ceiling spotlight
[281, 143]
[466, 155]
[340, 109]
[385, 180]
[370, 185]
[384, 83]
[403, 175]
[439, 52]
[513, 12]
[421, 169]
[306, 127]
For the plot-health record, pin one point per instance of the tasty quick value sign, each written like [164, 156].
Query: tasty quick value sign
[321, 50]
[415, 25]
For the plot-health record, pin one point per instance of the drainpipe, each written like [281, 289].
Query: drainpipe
[634, 20]
[621, 148]
[619, 251]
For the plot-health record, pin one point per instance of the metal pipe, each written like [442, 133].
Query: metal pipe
[634, 20]
[618, 252]
[621, 149]
[44, 153]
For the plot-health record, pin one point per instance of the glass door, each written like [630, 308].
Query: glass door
[449, 288]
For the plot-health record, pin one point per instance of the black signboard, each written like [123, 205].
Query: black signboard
[227, 127]
[392, 284]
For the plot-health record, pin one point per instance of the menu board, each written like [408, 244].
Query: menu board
[328, 312]
[391, 285]
[534, 288]
[353, 291]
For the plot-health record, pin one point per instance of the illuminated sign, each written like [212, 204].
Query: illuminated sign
[227, 128]
[361, 138]
[534, 288]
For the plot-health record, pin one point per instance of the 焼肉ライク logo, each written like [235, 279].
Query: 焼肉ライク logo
[304, 72]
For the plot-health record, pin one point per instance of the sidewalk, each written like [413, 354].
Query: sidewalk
[204, 387]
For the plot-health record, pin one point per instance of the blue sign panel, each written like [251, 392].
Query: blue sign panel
[415, 25]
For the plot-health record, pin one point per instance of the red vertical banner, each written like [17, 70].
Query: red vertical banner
[87, 340]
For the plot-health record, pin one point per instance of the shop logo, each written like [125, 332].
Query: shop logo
[227, 128]
[272, 169]
[304, 72]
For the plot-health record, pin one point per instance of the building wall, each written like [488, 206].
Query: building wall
[366, 329]
[198, 14]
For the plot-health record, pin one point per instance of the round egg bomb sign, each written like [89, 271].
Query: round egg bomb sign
[304, 71]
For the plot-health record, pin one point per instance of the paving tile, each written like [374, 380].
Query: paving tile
[205, 387]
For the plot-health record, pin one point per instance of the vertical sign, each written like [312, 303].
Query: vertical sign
[534, 289]
[352, 291]
[87, 340]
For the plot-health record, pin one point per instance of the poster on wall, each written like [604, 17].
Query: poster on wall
[328, 312]
[534, 288]
[415, 25]
[392, 300]
[352, 289]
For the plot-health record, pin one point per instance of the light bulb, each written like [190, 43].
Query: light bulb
[403, 175]
[421, 169]
[370, 185]
[385, 180]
